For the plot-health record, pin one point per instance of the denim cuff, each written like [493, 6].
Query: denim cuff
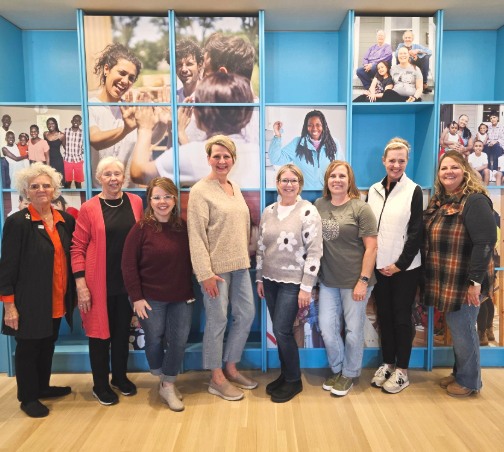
[156, 372]
[168, 378]
[351, 373]
[337, 369]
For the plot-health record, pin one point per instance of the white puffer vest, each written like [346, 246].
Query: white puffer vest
[392, 218]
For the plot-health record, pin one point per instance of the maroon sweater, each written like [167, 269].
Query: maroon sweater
[157, 265]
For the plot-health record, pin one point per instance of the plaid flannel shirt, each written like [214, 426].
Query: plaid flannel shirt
[74, 152]
[447, 255]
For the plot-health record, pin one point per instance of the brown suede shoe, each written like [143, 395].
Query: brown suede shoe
[445, 381]
[242, 381]
[483, 339]
[455, 390]
[490, 334]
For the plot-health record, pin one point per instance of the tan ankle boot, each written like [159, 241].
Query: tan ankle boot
[490, 334]
[483, 339]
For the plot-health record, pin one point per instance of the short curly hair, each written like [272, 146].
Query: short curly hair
[185, 48]
[24, 175]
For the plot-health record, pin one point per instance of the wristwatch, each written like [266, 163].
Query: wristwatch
[364, 279]
[474, 283]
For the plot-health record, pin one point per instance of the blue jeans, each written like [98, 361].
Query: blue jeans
[462, 326]
[282, 301]
[237, 290]
[493, 153]
[173, 322]
[333, 302]
[366, 77]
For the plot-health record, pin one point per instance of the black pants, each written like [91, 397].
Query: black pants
[486, 315]
[391, 96]
[119, 316]
[394, 297]
[6, 182]
[33, 364]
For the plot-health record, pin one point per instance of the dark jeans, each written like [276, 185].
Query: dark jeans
[493, 153]
[366, 77]
[6, 182]
[119, 318]
[33, 364]
[486, 315]
[282, 301]
[173, 322]
[394, 297]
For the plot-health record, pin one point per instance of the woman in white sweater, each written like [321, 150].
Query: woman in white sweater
[398, 205]
[288, 261]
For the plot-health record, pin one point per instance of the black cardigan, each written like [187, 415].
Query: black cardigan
[26, 270]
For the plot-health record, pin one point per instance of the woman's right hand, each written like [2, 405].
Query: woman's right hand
[139, 308]
[277, 127]
[83, 296]
[210, 286]
[260, 290]
[11, 316]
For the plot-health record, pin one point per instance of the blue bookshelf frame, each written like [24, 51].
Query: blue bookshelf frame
[281, 85]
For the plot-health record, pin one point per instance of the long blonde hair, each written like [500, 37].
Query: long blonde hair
[470, 184]
[149, 218]
[353, 191]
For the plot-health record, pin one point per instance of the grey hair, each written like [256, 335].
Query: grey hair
[409, 31]
[24, 175]
[106, 161]
[381, 31]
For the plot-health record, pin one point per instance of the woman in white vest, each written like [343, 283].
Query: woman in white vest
[397, 203]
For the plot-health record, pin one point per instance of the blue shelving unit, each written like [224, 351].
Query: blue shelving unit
[287, 77]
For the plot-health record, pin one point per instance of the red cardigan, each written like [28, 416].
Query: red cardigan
[88, 254]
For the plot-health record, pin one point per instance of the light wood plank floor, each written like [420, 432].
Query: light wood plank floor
[422, 418]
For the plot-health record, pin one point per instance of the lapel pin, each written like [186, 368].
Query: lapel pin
[27, 216]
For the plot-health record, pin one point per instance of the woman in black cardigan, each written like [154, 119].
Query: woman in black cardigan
[36, 284]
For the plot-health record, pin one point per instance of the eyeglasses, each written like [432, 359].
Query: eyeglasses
[164, 198]
[286, 182]
[37, 186]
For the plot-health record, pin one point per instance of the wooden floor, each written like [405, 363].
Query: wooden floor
[421, 418]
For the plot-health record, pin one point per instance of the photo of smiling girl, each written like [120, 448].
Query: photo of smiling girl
[113, 130]
[312, 150]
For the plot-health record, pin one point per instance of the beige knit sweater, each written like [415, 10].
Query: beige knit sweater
[219, 229]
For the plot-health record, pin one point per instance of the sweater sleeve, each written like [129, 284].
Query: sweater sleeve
[415, 231]
[312, 240]
[197, 223]
[260, 250]
[10, 260]
[480, 224]
[132, 254]
[80, 242]
[280, 156]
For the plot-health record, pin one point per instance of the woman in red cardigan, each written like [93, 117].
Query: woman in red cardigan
[103, 225]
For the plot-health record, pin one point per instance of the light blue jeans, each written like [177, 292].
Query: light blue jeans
[462, 326]
[334, 304]
[237, 290]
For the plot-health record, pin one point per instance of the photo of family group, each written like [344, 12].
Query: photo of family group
[52, 135]
[394, 59]
[127, 61]
[477, 132]
[309, 137]
[67, 202]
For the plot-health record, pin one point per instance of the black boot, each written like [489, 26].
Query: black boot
[287, 391]
[275, 384]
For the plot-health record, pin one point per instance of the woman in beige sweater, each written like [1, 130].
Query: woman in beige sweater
[218, 221]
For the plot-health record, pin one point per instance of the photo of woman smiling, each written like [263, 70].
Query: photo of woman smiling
[312, 150]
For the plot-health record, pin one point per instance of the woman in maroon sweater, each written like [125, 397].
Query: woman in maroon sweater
[157, 271]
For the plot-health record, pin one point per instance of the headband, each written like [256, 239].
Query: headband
[397, 143]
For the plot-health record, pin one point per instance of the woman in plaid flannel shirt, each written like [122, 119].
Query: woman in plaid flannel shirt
[459, 239]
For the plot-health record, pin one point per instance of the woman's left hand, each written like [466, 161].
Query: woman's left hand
[389, 271]
[304, 298]
[359, 292]
[473, 295]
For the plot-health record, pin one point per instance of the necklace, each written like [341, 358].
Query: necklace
[118, 205]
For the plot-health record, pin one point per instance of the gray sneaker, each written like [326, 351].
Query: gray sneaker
[242, 381]
[227, 391]
[329, 383]
[342, 386]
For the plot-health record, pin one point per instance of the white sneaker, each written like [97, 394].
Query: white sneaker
[381, 376]
[396, 383]
[492, 176]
